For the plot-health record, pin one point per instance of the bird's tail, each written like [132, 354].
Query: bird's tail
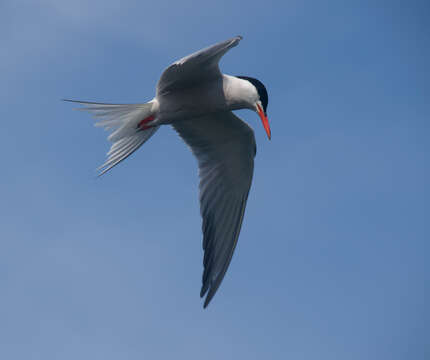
[128, 122]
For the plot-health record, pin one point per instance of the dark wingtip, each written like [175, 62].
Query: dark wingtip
[209, 296]
[207, 301]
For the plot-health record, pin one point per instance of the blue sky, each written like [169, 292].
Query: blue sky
[332, 261]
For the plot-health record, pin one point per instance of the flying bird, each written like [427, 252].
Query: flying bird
[195, 98]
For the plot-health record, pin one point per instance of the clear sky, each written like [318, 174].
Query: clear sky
[332, 261]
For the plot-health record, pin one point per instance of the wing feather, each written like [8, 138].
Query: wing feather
[225, 148]
[197, 67]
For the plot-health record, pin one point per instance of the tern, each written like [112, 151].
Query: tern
[195, 98]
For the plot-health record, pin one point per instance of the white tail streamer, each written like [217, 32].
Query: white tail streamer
[124, 120]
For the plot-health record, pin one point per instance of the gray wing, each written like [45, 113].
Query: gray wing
[197, 67]
[225, 149]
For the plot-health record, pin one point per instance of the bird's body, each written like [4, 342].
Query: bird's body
[217, 95]
[195, 98]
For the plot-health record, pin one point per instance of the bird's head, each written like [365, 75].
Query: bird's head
[259, 101]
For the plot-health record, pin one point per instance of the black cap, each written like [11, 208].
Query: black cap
[261, 89]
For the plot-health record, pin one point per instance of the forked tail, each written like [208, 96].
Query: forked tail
[128, 122]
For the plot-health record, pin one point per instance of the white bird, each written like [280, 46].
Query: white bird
[195, 98]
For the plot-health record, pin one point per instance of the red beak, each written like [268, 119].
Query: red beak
[265, 121]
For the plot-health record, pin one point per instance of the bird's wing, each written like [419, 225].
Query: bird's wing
[225, 149]
[197, 67]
